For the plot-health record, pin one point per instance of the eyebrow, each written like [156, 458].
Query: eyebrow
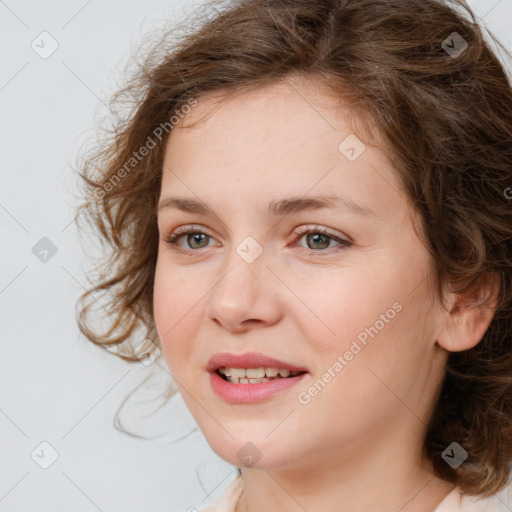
[278, 208]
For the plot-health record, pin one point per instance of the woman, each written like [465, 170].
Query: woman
[309, 216]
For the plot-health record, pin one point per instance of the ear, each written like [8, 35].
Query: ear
[469, 316]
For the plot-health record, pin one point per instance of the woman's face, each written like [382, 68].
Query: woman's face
[356, 316]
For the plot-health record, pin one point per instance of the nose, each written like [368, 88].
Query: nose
[247, 295]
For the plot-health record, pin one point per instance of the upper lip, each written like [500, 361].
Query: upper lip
[249, 360]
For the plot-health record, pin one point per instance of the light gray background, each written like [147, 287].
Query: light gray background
[56, 387]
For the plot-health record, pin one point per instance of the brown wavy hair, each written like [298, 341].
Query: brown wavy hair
[445, 117]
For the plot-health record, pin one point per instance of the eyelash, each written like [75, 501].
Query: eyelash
[173, 237]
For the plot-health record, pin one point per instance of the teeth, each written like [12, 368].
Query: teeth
[254, 375]
[271, 372]
[236, 380]
[237, 372]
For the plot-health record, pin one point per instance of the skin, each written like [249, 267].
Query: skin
[357, 444]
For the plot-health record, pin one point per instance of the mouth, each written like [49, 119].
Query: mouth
[252, 377]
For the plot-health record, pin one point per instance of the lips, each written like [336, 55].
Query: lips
[249, 360]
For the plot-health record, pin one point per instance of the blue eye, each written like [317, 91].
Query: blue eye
[318, 235]
[197, 237]
[194, 235]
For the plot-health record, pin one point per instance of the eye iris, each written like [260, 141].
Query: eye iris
[193, 236]
[310, 236]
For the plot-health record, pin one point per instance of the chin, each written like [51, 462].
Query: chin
[259, 453]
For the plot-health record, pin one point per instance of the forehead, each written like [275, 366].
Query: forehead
[293, 109]
[276, 141]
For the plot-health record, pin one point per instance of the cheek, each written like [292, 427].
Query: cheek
[361, 387]
[344, 303]
[379, 318]
[163, 297]
[174, 315]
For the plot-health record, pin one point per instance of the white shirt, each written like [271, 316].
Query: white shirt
[455, 501]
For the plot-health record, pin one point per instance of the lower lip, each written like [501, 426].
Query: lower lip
[250, 393]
